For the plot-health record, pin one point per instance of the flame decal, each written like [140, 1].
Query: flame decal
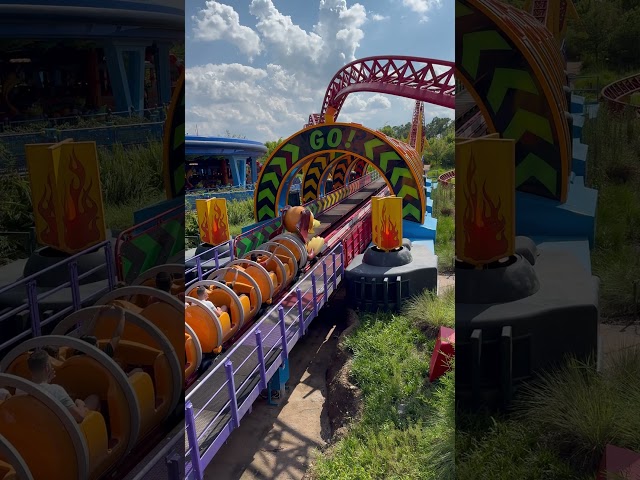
[389, 232]
[80, 210]
[204, 228]
[220, 232]
[484, 223]
[47, 210]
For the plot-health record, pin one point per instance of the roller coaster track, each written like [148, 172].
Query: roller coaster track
[223, 394]
[446, 177]
[616, 94]
[423, 79]
[416, 134]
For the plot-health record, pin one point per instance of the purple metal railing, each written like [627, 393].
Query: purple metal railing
[33, 298]
[263, 349]
[215, 251]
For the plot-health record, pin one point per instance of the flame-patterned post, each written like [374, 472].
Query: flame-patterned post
[67, 196]
[213, 220]
[386, 217]
[485, 201]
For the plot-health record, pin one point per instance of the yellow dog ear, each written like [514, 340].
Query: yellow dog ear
[315, 244]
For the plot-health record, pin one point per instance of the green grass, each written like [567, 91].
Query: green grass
[240, 214]
[130, 179]
[559, 427]
[444, 211]
[427, 311]
[500, 449]
[129, 175]
[390, 365]
[613, 169]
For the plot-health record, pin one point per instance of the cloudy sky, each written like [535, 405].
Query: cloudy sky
[258, 68]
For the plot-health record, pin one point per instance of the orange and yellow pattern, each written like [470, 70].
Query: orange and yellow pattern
[485, 200]
[213, 220]
[67, 195]
[386, 218]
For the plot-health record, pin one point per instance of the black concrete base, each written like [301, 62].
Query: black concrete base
[394, 278]
[501, 344]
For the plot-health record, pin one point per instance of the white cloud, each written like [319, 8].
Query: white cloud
[360, 103]
[276, 99]
[244, 100]
[376, 17]
[221, 22]
[422, 7]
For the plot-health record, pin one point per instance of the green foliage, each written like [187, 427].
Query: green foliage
[438, 126]
[240, 212]
[271, 146]
[129, 175]
[607, 35]
[582, 410]
[559, 426]
[390, 364]
[399, 132]
[78, 123]
[442, 151]
[505, 450]
[429, 313]
[444, 211]
[130, 178]
[15, 215]
[613, 169]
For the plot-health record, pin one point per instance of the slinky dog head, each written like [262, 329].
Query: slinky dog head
[299, 220]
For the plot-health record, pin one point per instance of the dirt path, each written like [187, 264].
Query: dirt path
[278, 442]
[445, 282]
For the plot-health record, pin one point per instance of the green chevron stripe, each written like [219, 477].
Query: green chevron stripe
[534, 166]
[266, 194]
[293, 150]
[399, 172]
[280, 162]
[178, 139]
[408, 191]
[476, 42]
[503, 80]
[385, 157]
[525, 121]
[370, 145]
[266, 212]
[462, 10]
[409, 210]
[271, 177]
[179, 178]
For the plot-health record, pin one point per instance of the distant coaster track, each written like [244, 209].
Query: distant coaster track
[617, 94]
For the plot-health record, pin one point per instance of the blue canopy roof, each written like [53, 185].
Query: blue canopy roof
[220, 146]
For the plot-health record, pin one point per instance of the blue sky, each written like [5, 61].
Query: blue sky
[258, 68]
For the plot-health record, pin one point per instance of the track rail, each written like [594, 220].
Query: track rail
[615, 93]
[446, 177]
[416, 123]
[241, 373]
[423, 79]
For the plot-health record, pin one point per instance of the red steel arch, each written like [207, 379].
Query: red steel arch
[410, 77]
